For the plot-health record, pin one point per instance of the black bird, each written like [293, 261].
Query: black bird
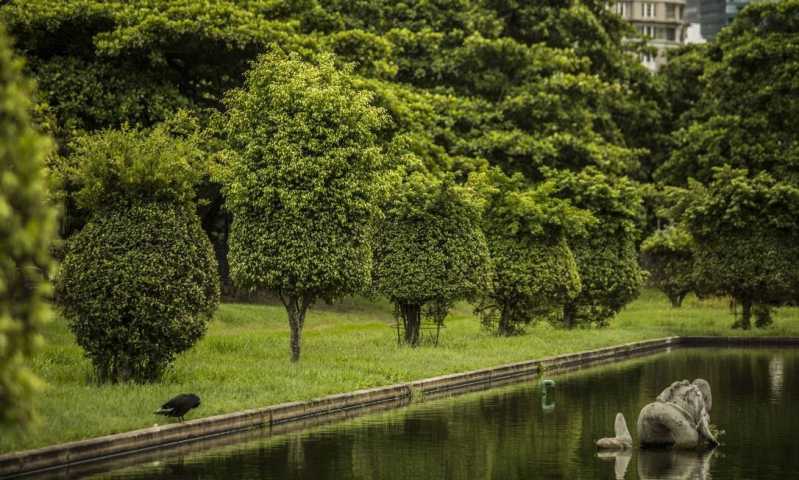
[178, 406]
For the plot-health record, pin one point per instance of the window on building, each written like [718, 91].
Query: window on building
[671, 10]
[648, 10]
[671, 34]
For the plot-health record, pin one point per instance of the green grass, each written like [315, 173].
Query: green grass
[243, 361]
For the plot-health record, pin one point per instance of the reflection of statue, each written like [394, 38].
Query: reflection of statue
[680, 416]
[661, 464]
[621, 459]
[674, 464]
[622, 439]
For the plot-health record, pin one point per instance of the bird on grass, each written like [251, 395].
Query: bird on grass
[178, 406]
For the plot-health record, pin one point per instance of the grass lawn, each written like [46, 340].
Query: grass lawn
[243, 361]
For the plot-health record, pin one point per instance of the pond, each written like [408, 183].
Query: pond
[515, 433]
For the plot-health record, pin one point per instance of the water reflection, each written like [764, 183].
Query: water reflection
[662, 464]
[776, 375]
[621, 458]
[674, 465]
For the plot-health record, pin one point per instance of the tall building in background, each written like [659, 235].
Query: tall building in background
[712, 15]
[663, 21]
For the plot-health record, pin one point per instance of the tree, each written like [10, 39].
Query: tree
[429, 251]
[668, 256]
[743, 117]
[606, 256]
[534, 269]
[303, 179]
[27, 230]
[747, 239]
[138, 284]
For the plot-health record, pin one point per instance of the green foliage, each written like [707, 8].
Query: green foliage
[138, 286]
[27, 228]
[744, 116]
[429, 250]
[606, 256]
[534, 268]
[303, 180]
[668, 257]
[119, 167]
[747, 234]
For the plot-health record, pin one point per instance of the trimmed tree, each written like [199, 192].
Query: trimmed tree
[747, 237]
[534, 269]
[303, 177]
[139, 283]
[27, 228]
[606, 256]
[429, 251]
[668, 256]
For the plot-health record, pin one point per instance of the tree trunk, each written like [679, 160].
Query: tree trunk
[569, 312]
[412, 319]
[676, 299]
[296, 306]
[505, 326]
[746, 315]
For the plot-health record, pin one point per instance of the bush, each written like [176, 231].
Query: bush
[138, 286]
[668, 256]
[429, 251]
[534, 268]
[27, 226]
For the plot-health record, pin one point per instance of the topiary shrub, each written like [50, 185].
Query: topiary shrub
[668, 256]
[534, 268]
[429, 251]
[606, 256]
[27, 227]
[138, 285]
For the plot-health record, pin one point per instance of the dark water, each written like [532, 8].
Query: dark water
[511, 434]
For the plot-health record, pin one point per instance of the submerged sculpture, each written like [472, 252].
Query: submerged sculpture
[679, 417]
[622, 439]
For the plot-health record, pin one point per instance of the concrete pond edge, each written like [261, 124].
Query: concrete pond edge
[116, 445]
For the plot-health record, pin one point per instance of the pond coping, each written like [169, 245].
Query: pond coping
[301, 414]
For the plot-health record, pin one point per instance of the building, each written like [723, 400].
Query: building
[712, 15]
[662, 21]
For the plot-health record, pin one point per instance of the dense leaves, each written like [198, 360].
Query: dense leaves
[27, 230]
[138, 286]
[429, 251]
[303, 180]
[534, 268]
[606, 253]
[668, 257]
[747, 236]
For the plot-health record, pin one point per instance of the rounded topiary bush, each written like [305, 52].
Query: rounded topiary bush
[138, 285]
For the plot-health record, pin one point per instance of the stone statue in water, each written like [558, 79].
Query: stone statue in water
[622, 439]
[679, 417]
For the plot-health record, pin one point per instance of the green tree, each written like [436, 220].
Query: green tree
[668, 256]
[744, 116]
[303, 181]
[606, 253]
[429, 251]
[747, 238]
[534, 269]
[27, 229]
[138, 284]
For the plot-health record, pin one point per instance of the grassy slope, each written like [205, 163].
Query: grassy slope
[243, 362]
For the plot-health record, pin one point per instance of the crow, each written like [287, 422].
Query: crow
[178, 406]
